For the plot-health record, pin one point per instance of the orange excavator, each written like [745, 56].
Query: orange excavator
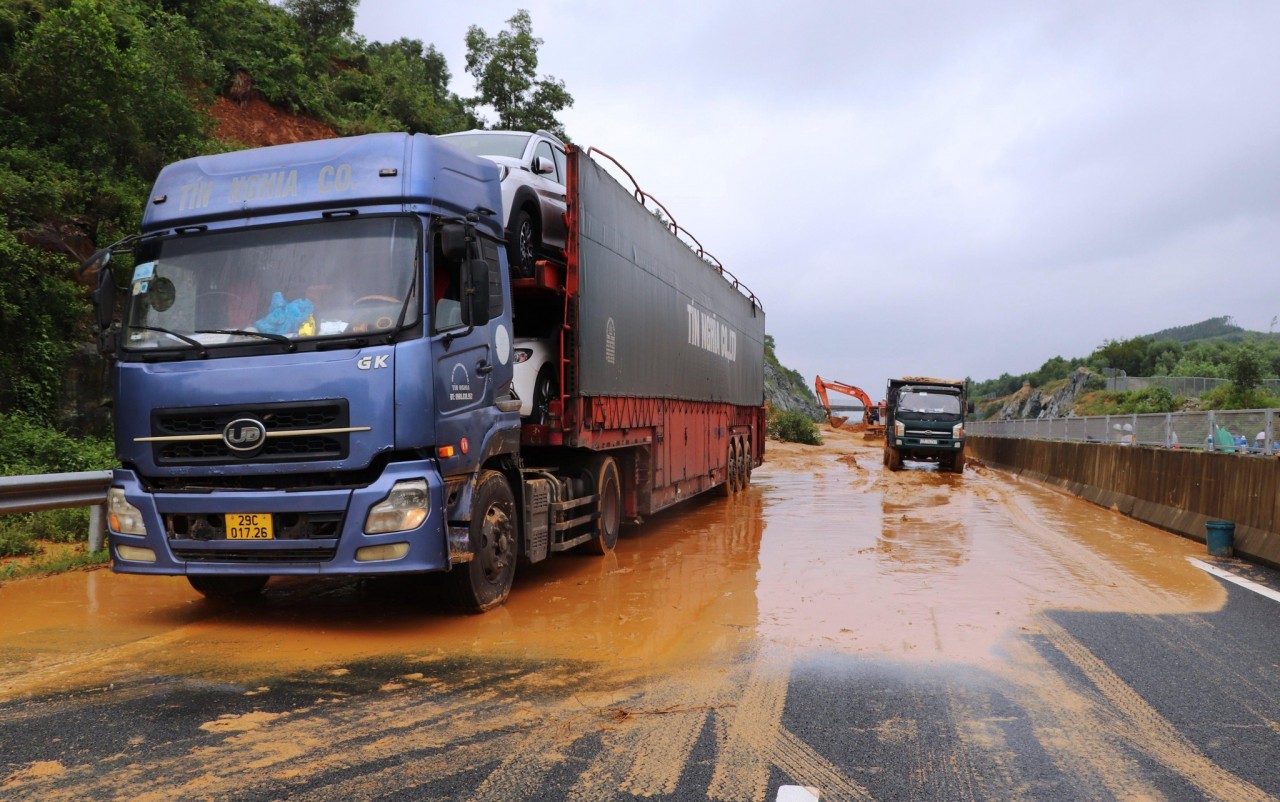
[874, 426]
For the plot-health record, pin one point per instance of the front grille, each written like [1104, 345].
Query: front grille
[286, 526]
[291, 555]
[927, 433]
[277, 418]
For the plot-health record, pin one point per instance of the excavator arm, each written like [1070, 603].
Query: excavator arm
[821, 386]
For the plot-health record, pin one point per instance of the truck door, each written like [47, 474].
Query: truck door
[470, 361]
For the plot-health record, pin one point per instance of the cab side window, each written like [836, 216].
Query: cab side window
[446, 281]
[489, 252]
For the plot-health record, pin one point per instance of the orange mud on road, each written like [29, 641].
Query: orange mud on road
[691, 627]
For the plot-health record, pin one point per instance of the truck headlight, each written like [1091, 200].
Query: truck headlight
[405, 507]
[122, 516]
[899, 429]
[957, 431]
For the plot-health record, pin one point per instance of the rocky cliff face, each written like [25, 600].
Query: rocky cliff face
[782, 392]
[1033, 403]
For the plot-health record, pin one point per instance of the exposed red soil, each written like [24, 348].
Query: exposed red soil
[255, 123]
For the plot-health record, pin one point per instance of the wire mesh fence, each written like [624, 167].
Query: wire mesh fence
[1186, 386]
[1240, 431]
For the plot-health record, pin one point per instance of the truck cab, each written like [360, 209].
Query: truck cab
[313, 369]
[924, 421]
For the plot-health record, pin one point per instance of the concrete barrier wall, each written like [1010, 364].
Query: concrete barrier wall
[1174, 489]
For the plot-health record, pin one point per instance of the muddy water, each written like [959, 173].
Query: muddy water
[827, 551]
[639, 664]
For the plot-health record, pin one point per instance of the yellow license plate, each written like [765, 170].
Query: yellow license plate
[249, 526]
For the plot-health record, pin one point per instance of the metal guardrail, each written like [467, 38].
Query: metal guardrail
[53, 491]
[1216, 430]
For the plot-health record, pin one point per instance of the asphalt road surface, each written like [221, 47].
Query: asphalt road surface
[862, 634]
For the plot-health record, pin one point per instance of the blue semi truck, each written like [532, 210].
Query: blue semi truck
[313, 371]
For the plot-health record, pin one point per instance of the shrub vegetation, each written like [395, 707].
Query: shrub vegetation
[793, 427]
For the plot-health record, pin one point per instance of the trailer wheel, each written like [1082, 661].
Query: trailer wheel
[730, 484]
[228, 588]
[604, 473]
[746, 463]
[485, 582]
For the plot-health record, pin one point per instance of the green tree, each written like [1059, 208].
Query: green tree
[324, 19]
[1131, 356]
[414, 84]
[1247, 368]
[40, 313]
[505, 69]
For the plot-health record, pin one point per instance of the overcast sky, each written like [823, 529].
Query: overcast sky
[941, 188]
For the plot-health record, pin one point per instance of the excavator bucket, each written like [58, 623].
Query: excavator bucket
[835, 420]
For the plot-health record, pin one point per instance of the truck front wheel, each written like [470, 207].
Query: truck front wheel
[604, 472]
[894, 457]
[485, 582]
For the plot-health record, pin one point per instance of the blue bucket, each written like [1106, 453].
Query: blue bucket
[1219, 537]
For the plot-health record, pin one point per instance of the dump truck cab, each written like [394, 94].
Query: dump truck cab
[924, 421]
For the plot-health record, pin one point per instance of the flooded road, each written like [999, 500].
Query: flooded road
[868, 634]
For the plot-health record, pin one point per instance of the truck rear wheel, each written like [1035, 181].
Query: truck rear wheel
[604, 474]
[744, 464]
[485, 582]
[228, 588]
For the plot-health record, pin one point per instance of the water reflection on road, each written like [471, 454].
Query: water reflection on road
[827, 551]
[683, 640]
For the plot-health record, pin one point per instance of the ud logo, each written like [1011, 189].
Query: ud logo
[244, 435]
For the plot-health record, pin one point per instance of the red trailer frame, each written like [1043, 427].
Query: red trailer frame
[668, 450]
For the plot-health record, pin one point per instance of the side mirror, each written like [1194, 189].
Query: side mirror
[453, 241]
[97, 261]
[475, 294]
[970, 407]
[543, 166]
[104, 298]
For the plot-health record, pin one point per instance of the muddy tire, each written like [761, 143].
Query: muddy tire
[893, 456]
[745, 474]
[523, 243]
[957, 462]
[730, 484]
[485, 582]
[228, 588]
[608, 487]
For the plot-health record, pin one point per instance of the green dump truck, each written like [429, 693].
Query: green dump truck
[924, 422]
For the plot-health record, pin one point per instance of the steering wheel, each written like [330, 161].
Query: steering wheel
[385, 299]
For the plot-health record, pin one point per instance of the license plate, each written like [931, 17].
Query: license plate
[928, 442]
[249, 526]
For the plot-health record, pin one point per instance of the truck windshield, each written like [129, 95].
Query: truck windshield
[925, 402]
[282, 284]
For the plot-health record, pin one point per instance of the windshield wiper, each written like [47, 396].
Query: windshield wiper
[404, 312]
[204, 352]
[276, 338]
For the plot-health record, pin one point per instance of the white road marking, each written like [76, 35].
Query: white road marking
[1239, 580]
[797, 793]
